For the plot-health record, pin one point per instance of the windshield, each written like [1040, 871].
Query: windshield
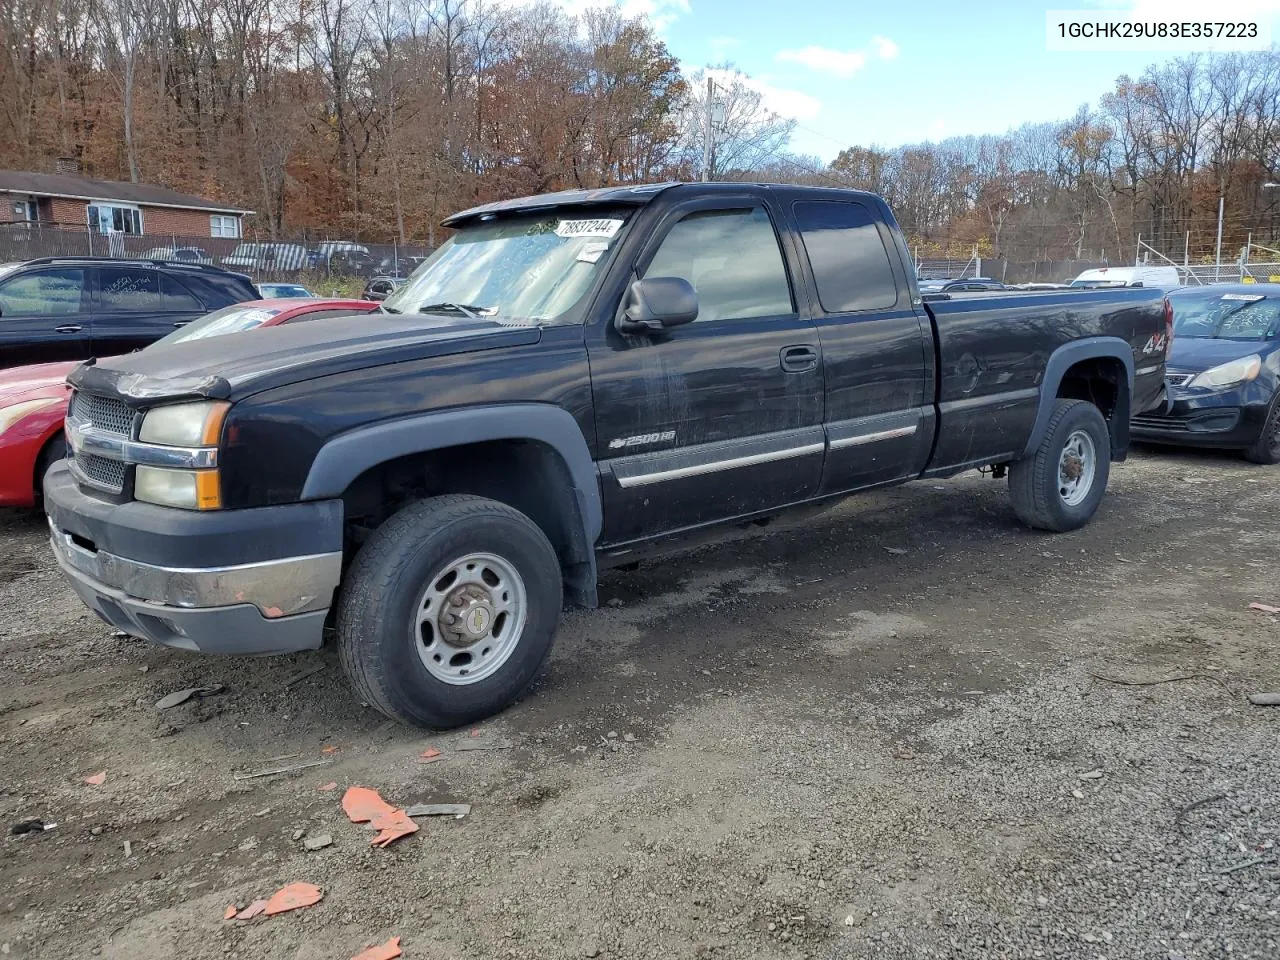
[232, 319]
[1238, 316]
[518, 270]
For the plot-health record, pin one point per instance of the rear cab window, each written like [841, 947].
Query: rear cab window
[851, 266]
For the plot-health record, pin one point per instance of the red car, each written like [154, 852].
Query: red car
[33, 400]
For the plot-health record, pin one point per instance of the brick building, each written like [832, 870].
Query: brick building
[112, 208]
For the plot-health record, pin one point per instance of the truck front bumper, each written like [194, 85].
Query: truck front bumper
[257, 581]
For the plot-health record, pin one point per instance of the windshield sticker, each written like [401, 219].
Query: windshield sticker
[588, 228]
[1247, 297]
[592, 252]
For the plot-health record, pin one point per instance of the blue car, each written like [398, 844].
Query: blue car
[1223, 372]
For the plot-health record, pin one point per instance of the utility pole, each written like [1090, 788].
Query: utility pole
[707, 131]
[1217, 257]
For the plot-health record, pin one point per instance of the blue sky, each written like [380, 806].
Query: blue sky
[899, 72]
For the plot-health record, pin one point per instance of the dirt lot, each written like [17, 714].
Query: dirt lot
[871, 733]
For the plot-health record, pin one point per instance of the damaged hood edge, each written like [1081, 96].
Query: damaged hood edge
[138, 387]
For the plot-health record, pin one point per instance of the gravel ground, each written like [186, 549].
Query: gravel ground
[797, 742]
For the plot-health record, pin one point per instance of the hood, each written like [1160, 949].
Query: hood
[239, 364]
[34, 382]
[1197, 354]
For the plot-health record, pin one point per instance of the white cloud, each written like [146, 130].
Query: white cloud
[791, 104]
[842, 63]
[661, 13]
[886, 49]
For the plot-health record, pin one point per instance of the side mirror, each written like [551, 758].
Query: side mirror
[655, 303]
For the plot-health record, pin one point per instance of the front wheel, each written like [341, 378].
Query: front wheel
[449, 610]
[1267, 449]
[1059, 486]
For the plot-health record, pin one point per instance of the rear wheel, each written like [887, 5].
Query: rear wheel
[449, 610]
[1267, 449]
[1061, 484]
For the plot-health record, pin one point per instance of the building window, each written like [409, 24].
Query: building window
[224, 226]
[114, 218]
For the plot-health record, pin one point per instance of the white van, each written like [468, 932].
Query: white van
[1143, 276]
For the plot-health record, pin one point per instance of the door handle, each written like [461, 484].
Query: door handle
[799, 358]
[68, 328]
[181, 323]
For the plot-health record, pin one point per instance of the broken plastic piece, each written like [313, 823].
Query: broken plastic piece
[252, 910]
[293, 896]
[231, 911]
[1265, 699]
[1264, 608]
[457, 810]
[485, 744]
[429, 754]
[329, 749]
[182, 696]
[326, 787]
[364, 805]
[30, 826]
[97, 780]
[386, 951]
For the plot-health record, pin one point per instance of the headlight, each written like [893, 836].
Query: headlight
[195, 424]
[12, 414]
[1229, 374]
[189, 489]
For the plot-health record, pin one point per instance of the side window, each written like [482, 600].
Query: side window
[128, 291]
[46, 293]
[850, 264]
[177, 298]
[733, 260]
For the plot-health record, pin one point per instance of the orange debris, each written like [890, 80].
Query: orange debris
[230, 912]
[252, 910]
[292, 896]
[330, 749]
[97, 780]
[386, 951]
[430, 755]
[331, 785]
[362, 804]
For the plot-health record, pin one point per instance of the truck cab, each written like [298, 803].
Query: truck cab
[570, 380]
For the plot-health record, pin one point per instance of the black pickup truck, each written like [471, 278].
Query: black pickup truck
[569, 380]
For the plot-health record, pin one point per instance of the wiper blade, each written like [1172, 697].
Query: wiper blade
[386, 309]
[468, 310]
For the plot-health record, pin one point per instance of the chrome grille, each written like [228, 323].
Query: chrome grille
[105, 413]
[103, 470]
[1179, 379]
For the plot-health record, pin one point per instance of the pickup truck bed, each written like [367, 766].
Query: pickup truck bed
[570, 379]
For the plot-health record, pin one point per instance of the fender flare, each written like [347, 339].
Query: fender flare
[1060, 361]
[342, 459]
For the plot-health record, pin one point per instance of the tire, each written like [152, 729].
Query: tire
[1044, 494]
[54, 450]
[492, 564]
[1267, 449]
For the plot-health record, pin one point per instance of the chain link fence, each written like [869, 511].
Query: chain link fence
[316, 262]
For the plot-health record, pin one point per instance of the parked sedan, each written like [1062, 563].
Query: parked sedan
[33, 400]
[1223, 372]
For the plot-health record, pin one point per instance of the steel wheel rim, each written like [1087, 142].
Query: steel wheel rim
[1077, 465]
[469, 618]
